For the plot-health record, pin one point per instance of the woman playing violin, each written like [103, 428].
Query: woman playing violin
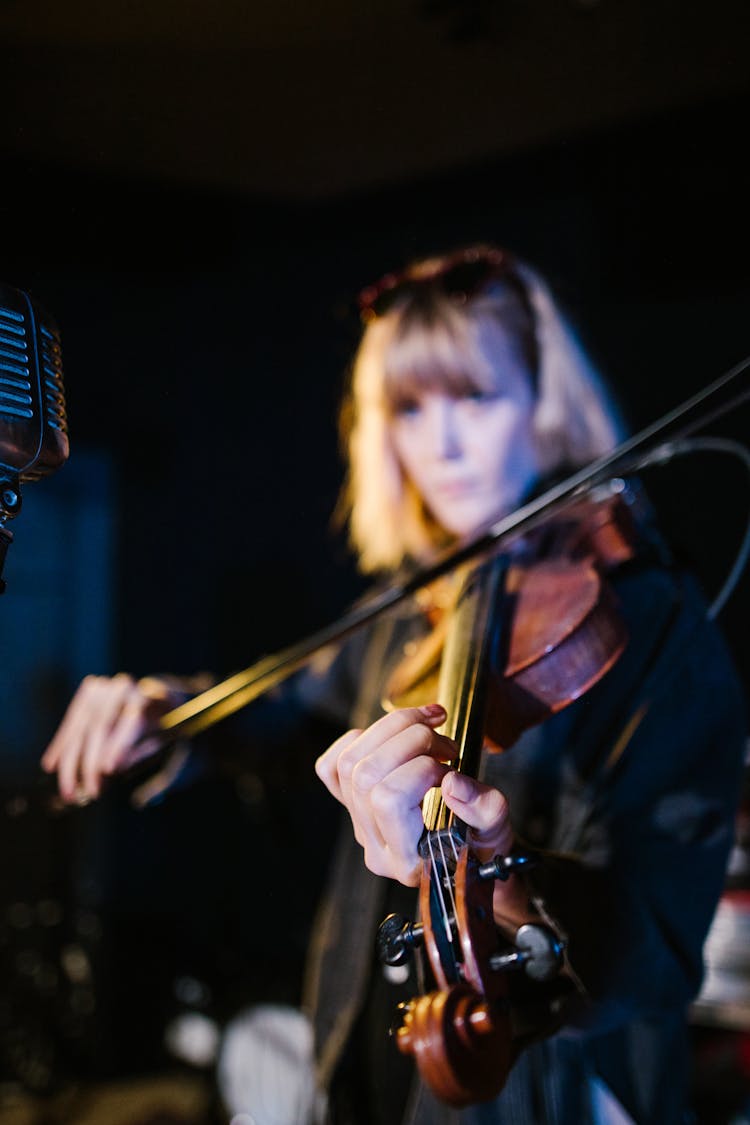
[468, 392]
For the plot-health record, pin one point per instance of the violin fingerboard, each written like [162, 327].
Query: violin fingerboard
[472, 634]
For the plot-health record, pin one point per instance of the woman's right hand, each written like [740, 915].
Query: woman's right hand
[110, 724]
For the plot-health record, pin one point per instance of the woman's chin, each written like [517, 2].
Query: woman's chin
[468, 522]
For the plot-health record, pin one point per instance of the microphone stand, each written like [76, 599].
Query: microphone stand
[644, 448]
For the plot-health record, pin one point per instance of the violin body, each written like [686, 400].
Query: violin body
[568, 634]
[563, 630]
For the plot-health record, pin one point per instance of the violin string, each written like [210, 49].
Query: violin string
[442, 817]
[449, 878]
[440, 889]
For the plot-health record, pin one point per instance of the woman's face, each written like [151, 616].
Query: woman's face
[471, 455]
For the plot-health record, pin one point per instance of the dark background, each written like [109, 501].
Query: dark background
[206, 336]
[196, 195]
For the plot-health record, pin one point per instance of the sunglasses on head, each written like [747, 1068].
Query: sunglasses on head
[459, 276]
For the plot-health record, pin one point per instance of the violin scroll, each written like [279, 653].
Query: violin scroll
[461, 1034]
[460, 1041]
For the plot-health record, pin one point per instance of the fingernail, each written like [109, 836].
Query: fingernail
[432, 710]
[458, 786]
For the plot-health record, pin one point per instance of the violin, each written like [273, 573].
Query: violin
[527, 635]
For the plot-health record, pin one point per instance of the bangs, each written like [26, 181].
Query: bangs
[435, 349]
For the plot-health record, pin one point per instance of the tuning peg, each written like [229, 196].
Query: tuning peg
[502, 866]
[538, 950]
[397, 938]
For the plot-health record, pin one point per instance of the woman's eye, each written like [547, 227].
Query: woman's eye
[406, 408]
[479, 396]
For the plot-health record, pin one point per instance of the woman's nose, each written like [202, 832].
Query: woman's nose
[446, 432]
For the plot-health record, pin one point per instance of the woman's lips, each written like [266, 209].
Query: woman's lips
[455, 489]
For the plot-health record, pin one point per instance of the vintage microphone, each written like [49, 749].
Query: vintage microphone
[33, 422]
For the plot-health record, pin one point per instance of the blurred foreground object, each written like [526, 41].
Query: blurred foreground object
[266, 1069]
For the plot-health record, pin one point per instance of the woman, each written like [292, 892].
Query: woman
[468, 392]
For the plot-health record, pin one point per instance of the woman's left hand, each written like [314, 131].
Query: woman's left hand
[381, 776]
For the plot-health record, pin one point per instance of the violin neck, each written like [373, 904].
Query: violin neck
[473, 636]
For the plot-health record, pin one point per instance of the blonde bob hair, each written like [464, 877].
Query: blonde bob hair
[430, 340]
